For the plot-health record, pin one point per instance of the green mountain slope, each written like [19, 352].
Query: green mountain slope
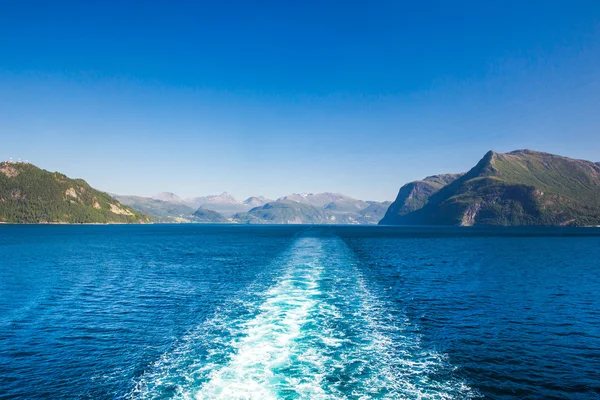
[29, 194]
[414, 195]
[523, 187]
[204, 215]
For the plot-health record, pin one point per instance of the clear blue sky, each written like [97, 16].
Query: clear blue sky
[199, 97]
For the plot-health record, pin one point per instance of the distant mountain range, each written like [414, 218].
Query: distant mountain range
[320, 208]
[168, 207]
[223, 203]
[162, 210]
[306, 208]
[522, 187]
[29, 194]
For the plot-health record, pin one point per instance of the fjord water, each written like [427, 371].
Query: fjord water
[298, 312]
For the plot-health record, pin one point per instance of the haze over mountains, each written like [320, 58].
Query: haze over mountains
[224, 203]
[320, 208]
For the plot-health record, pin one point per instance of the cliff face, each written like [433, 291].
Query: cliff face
[29, 194]
[523, 187]
[414, 195]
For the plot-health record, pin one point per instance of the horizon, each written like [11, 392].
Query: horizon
[274, 99]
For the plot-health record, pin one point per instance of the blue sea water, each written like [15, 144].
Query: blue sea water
[299, 312]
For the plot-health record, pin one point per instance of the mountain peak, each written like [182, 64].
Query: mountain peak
[223, 197]
[490, 156]
[166, 196]
[485, 166]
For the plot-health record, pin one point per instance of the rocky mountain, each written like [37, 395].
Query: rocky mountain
[29, 194]
[522, 187]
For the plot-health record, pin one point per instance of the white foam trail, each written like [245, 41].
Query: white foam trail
[319, 332]
[271, 340]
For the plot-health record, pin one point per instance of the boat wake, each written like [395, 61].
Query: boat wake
[319, 332]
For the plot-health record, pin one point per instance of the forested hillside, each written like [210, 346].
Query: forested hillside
[29, 194]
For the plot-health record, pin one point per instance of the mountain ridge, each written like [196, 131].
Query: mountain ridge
[521, 187]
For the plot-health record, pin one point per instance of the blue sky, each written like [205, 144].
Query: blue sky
[276, 97]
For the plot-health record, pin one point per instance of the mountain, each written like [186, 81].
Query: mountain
[168, 207]
[167, 196]
[164, 211]
[320, 208]
[523, 187]
[414, 195]
[331, 202]
[373, 213]
[167, 211]
[346, 204]
[223, 203]
[283, 212]
[203, 215]
[256, 201]
[223, 198]
[29, 194]
[318, 200]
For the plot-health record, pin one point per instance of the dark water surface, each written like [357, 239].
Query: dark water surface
[299, 312]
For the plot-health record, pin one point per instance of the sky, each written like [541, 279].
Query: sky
[275, 97]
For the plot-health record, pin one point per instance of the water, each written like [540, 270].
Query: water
[297, 312]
